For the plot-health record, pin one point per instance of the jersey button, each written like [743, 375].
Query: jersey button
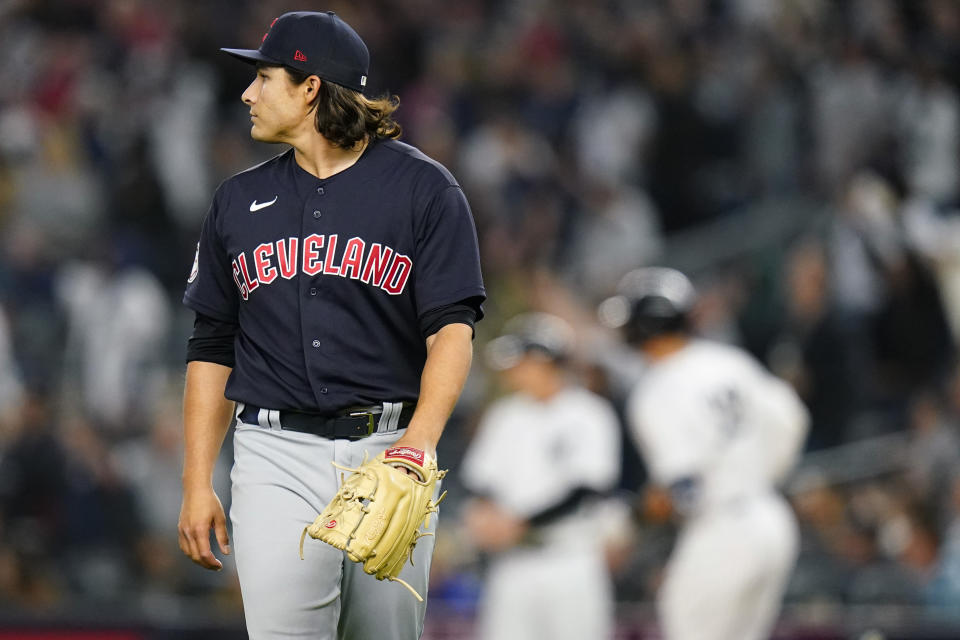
[316, 344]
[323, 389]
[313, 291]
[317, 214]
[320, 190]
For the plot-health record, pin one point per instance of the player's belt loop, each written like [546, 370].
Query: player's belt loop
[389, 417]
[240, 407]
[269, 419]
[274, 417]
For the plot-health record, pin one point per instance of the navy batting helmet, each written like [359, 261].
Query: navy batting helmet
[649, 301]
[535, 332]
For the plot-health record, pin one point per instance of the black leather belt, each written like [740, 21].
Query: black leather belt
[352, 423]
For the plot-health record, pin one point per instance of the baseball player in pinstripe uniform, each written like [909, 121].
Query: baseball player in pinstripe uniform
[538, 466]
[720, 433]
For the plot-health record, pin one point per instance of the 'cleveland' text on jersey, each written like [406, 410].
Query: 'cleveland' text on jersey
[377, 266]
[328, 279]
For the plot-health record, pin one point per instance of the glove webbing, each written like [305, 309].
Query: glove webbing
[432, 507]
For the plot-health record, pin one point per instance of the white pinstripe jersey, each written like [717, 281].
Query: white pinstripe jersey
[529, 455]
[711, 410]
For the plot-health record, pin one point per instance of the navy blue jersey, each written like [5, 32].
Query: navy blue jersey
[327, 279]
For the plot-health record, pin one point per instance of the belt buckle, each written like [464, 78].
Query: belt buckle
[371, 425]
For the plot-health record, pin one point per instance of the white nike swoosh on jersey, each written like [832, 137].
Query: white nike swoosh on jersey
[256, 206]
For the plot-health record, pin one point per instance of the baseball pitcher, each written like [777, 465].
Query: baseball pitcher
[335, 288]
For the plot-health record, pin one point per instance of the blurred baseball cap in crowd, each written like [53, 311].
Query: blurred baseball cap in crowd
[317, 43]
[536, 333]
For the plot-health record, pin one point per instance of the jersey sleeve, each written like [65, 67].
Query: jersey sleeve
[786, 422]
[478, 469]
[210, 287]
[448, 257]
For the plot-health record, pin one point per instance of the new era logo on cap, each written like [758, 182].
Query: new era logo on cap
[313, 42]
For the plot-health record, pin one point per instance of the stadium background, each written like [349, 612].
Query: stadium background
[798, 157]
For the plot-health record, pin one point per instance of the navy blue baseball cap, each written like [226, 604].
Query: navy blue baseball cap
[317, 43]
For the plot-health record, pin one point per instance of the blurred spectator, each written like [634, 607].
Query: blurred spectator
[502, 159]
[57, 189]
[611, 132]
[11, 385]
[910, 331]
[830, 548]
[28, 267]
[929, 122]
[118, 317]
[852, 100]
[151, 464]
[138, 211]
[33, 502]
[102, 517]
[933, 456]
[912, 339]
[945, 586]
[678, 155]
[618, 231]
[817, 348]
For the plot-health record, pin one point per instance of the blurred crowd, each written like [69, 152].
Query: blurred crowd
[798, 158]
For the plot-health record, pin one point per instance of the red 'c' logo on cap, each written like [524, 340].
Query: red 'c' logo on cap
[268, 30]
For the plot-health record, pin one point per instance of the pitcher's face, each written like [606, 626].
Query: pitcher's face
[279, 109]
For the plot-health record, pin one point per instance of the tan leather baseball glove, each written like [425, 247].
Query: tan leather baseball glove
[377, 514]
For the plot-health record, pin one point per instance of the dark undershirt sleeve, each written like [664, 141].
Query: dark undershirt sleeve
[566, 506]
[463, 312]
[212, 341]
